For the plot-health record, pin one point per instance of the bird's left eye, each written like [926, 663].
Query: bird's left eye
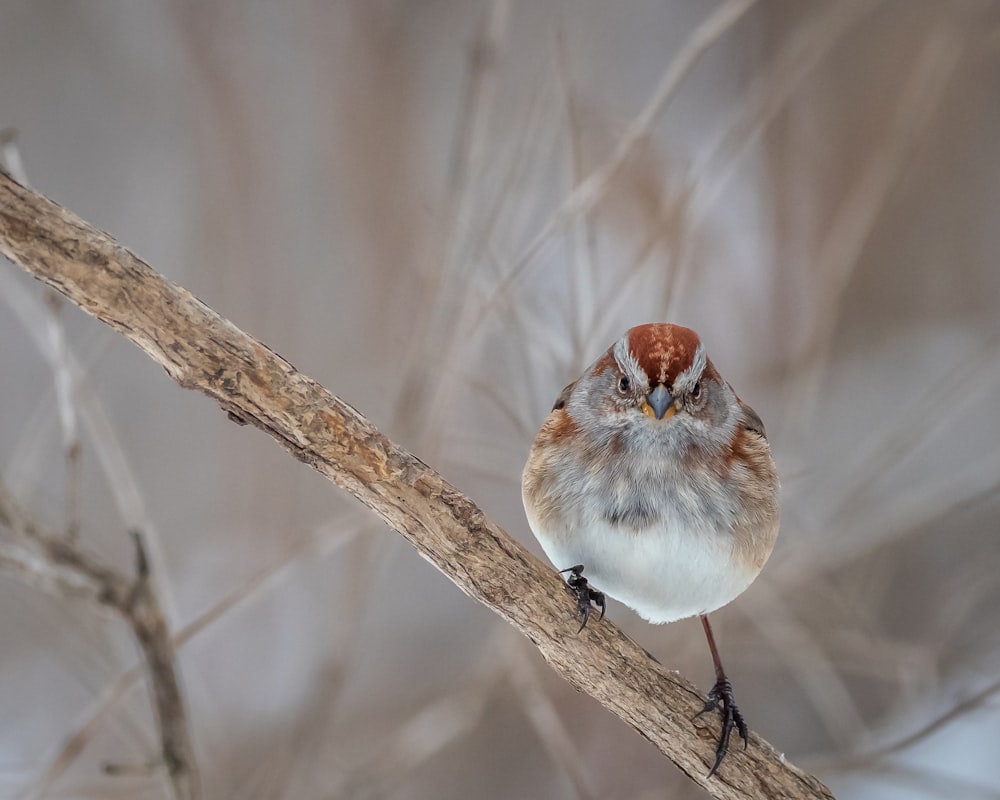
[624, 384]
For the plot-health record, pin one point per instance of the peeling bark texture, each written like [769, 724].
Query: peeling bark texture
[201, 350]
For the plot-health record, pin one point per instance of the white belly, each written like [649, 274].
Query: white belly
[664, 572]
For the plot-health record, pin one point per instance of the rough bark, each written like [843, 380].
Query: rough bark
[201, 350]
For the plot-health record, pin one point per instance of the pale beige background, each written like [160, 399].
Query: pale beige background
[383, 192]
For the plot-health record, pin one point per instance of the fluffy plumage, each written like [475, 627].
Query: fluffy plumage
[652, 476]
[674, 516]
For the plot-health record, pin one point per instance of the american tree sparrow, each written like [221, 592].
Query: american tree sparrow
[651, 473]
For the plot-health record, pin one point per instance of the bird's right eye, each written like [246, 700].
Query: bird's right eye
[624, 384]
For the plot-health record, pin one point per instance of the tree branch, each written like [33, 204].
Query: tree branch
[58, 566]
[201, 350]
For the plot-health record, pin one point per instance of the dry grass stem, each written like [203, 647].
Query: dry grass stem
[856, 216]
[587, 194]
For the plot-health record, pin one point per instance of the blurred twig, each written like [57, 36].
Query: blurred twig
[57, 565]
[871, 758]
[448, 253]
[552, 732]
[589, 192]
[55, 341]
[586, 194]
[852, 224]
[381, 770]
[201, 350]
[339, 533]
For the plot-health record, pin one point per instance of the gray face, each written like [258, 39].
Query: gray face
[703, 412]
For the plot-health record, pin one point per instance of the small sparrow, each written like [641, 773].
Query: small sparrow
[651, 473]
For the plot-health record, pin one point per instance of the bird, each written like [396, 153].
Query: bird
[654, 477]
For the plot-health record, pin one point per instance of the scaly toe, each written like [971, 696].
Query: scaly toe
[722, 695]
[585, 596]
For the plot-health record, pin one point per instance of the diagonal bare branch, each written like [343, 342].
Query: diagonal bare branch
[201, 350]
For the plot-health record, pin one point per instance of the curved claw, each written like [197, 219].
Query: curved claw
[584, 594]
[722, 693]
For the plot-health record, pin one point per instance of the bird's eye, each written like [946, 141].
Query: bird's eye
[624, 384]
[696, 391]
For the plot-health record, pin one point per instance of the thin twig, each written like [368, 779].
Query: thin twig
[343, 531]
[57, 565]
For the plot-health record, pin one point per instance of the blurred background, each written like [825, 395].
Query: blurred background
[443, 211]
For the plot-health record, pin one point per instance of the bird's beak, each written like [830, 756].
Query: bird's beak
[659, 404]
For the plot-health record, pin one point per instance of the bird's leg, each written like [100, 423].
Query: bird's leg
[722, 693]
[584, 594]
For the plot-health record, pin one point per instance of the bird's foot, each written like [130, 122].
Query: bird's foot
[722, 693]
[584, 594]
